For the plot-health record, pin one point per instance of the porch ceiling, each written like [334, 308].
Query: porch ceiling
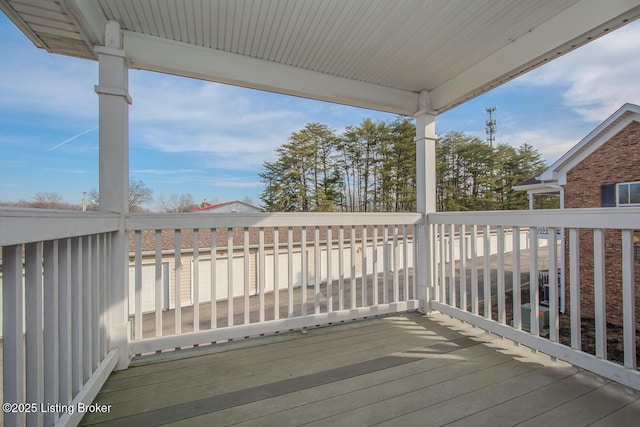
[369, 53]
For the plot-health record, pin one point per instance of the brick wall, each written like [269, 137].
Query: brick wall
[618, 160]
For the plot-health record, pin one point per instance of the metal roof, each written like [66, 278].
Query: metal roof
[377, 54]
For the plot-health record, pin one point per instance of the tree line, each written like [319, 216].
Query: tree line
[140, 199]
[372, 168]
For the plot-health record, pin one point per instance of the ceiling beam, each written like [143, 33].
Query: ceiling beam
[167, 56]
[90, 18]
[573, 27]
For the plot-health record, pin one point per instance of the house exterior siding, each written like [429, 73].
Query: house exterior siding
[616, 161]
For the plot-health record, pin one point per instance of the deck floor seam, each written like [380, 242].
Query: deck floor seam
[386, 383]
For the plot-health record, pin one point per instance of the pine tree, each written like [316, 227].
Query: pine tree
[372, 167]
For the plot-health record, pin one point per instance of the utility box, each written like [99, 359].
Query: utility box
[543, 316]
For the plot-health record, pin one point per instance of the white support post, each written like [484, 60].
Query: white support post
[426, 196]
[114, 101]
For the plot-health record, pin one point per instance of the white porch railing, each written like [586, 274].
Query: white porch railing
[55, 282]
[497, 293]
[242, 275]
[277, 272]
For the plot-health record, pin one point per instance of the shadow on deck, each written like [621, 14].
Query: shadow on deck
[406, 369]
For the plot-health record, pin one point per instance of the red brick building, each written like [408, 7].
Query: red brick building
[602, 170]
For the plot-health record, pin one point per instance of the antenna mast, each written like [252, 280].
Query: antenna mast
[491, 126]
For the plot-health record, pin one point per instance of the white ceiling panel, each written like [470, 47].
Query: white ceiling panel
[453, 49]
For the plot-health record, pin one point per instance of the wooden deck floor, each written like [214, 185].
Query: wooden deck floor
[399, 370]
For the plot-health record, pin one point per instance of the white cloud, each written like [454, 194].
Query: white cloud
[551, 145]
[171, 114]
[33, 80]
[598, 78]
[234, 127]
[236, 182]
[162, 172]
[67, 171]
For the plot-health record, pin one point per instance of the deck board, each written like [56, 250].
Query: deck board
[394, 370]
[586, 408]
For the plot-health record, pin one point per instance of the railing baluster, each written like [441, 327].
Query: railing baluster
[213, 284]
[385, 264]
[374, 262]
[316, 269]
[196, 280]
[534, 295]
[80, 312]
[276, 273]
[103, 284]
[64, 325]
[34, 365]
[13, 344]
[107, 259]
[329, 272]
[599, 293]
[51, 367]
[352, 242]
[463, 268]
[178, 271]
[87, 297]
[486, 283]
[305, 270]
[247, 276]
[442, 265]
[230, 284]
[628, 300]
[414, 250]
[452, 267]
[474, 269]
[405, 263]
[554, 309]
[341, 268]
[95, 300]
[500, 285]
[137, 299]
[159, 288]
[515, 255]
[396, 287]
[574, 291]
[260, 273]
[364, 281]
[435, 260]
[290, 272]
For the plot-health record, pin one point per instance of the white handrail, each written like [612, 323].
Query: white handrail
[612, 218]
[37, 225]
[137, 221]
[594, 239]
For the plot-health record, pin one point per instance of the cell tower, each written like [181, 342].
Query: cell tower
[491, 126]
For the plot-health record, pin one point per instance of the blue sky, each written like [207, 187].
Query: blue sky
[210, 140]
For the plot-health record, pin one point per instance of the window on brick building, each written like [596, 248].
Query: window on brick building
[628, 194]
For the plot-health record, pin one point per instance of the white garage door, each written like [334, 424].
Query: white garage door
[221, 272]
[149, 287]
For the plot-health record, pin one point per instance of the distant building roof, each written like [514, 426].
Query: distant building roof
[229, 207]
[529, 181]
[205, 235]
